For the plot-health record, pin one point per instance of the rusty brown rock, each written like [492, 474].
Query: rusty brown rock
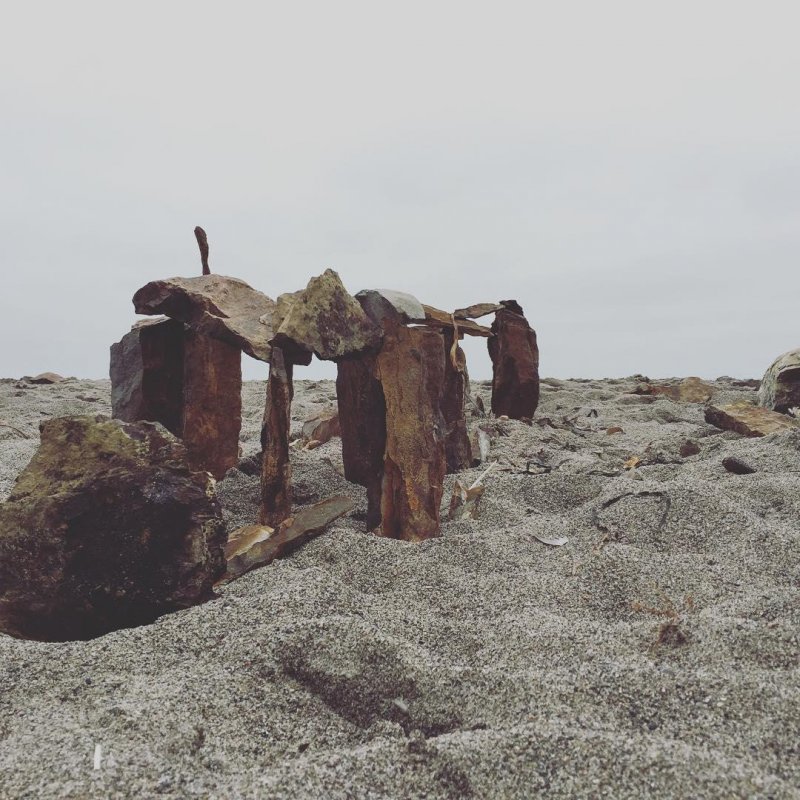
[326, 320]
[362, 421]
[276, 468]
[515, 364]
[106, 528]
[410, 367]
[192, 384]
[477, 311]
[437, 318]
[217, 306]
[321, 427]
[457, 446]
[689, 390]
[212, 403]
[749, 420]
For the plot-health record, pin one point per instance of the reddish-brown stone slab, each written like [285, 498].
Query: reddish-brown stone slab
[410, 368]
[276, 468]
[212, 403]
[749, 420]
[515, 363]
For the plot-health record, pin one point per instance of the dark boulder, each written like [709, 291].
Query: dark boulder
[106, 528]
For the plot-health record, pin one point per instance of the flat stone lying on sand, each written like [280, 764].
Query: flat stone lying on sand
[515, 363]
[689, 390]
[749, 420]
[106, 528]
[215, 305]
[326, 320]
[780, 386]
[162, 371]
[257, 545]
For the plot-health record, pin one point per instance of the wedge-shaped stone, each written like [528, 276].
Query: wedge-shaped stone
[477, 311]
[515, 364]
[749, 420]
[256, 545]
[780, 386]
[217, 306]
[322, 427]
[406, 306]
[326, 320]
[437, 318]
[106, 528]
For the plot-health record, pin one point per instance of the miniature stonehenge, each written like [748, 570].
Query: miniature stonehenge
[401, 382]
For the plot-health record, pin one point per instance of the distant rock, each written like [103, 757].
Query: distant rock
[106, 528]
[749, 420]
[737, 466]
[780, 386]
[515, 363]
[689, 448]
[223, 308]
[326, 320]
[44, 378]
[689, 390]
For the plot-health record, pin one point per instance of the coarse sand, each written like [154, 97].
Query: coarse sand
[655, 654]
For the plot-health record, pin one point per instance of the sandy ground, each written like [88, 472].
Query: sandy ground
[656, 654]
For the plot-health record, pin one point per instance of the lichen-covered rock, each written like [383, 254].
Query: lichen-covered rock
[326, 320]
[215, 305]
[780, 386]
[106, 528]
[515, 363]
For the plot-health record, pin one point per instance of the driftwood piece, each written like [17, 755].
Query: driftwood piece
[410, 368]
[515, 364]
[276, 468]
[362, 421]
[476, 311]
[457, 446]
[257, 545]
[435, 317]
[202, 243]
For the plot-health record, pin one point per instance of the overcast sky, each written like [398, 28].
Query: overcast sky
[628, 171]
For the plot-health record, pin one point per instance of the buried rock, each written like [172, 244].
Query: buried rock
[106, 528]
[748, 420]
[321, 427]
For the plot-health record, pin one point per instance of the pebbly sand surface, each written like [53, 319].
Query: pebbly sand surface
[655, 654]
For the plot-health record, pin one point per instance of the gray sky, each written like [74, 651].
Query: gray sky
[629, 171]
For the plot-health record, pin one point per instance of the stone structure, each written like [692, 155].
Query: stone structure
[106, 528]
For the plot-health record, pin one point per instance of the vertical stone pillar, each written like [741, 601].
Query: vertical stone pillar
[410, 367]
[212, 403]
[457, 446]
[276, 468]
[362, 420]
[190, 383]
[515, 363]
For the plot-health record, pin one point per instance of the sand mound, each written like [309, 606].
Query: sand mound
[655, 654]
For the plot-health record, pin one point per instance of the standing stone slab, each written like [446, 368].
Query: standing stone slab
[192, 384]
[410, 368]
[780, 386]
[212, 403]
[515, 363]
[106, 528]
[362, 420]
[276, 468]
